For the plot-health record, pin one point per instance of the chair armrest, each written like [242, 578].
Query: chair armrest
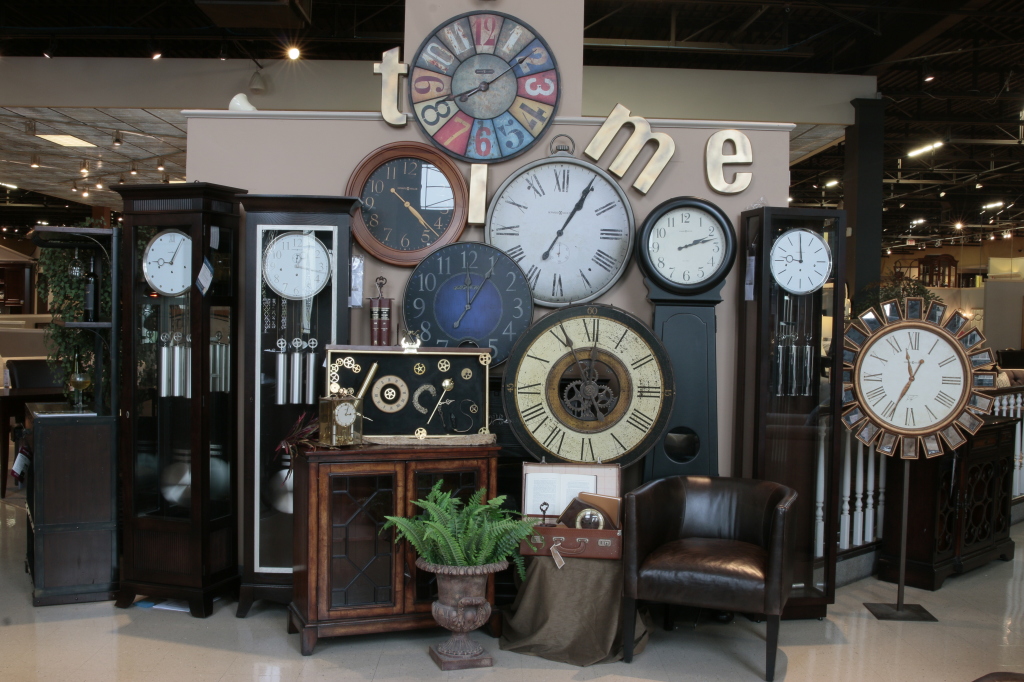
[779, 575]
[653, 516]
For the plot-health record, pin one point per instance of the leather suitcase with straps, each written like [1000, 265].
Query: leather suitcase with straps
[573, 542]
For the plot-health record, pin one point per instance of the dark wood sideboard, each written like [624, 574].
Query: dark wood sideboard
[72, 504]
[959, 516]
[350, 579]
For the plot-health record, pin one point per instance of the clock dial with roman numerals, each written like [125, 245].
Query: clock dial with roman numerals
[913, 381]
[567, 224]
[589, 384]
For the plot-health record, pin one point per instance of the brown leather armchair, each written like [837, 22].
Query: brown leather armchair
[716, 543]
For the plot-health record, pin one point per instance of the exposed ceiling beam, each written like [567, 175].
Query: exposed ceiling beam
[715, 48]
[952, 94]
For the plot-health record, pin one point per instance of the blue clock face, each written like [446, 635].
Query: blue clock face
[469, 294]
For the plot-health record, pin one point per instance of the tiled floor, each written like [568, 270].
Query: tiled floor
[980, 630]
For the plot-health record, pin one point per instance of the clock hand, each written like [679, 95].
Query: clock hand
[415, 213]
[579, 205]
[907, 387]
[485, 85]
[910, 367]
[584, 374]
[800, 246]
[469, 304]
[447, 385]
[175, 254]
[694, 243]
[469, 286]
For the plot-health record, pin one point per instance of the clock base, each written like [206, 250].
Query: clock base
[909, 613]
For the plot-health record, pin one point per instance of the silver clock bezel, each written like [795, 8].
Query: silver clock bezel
[292, 233]
[828, 253]
[631, 228]
[145, 263]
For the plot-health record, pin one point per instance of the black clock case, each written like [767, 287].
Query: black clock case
[684, 317]
[291, 210]
[776, 436]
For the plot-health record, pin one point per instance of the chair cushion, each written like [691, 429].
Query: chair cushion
[710, 573]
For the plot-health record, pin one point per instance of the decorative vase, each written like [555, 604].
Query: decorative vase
[461, 607]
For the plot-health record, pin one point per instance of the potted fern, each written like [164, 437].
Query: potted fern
[462, 544]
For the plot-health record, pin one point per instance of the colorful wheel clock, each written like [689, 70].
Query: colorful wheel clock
[484, 87]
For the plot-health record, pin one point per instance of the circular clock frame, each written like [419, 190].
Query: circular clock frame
[828, 250]
[280, 237]
[145, 263]
[551, 391]
[646, 260]
[867, 336]
[520, 91]
[424, 153]
[591, 168]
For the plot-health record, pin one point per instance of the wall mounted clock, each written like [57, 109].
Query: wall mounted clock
[568, 225]
[913, 378]
[484, 87]
[589, 384]
[469, 294]
[167, 263]
[413, 202]
[801, 261]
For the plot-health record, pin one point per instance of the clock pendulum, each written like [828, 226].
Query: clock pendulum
[686, 249]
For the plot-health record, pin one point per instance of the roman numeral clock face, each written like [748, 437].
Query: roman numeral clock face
[567, 224]
[589, 384]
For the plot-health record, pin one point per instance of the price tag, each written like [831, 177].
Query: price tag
[748, 281]
[214, 237]
[205, 277]
[355, 299]
[557, 556]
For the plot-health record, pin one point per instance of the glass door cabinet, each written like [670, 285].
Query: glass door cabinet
[179, 261]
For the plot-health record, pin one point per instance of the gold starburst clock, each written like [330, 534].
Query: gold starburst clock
[909, 378]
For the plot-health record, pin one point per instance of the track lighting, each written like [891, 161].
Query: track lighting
[51, 49]
[132, 169]
[257, 84]
[223, 54]
[34, 161]
[85, 192]
[927, 73]
[99, 185]
[74, 186]
[159, 164]
[85, 167]
[154, 49]
[118, 140]
[30, 127]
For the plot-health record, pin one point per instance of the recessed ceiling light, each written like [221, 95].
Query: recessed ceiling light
[67, 140]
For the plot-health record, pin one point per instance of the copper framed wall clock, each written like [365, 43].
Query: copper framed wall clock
[589, 383]
[413, 202]
[912, 372]
[484, 86]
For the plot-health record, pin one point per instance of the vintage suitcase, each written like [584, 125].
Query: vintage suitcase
[572, 542]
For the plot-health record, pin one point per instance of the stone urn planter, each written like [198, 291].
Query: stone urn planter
[461, 607]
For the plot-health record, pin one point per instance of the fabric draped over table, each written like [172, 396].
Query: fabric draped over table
[572, 615]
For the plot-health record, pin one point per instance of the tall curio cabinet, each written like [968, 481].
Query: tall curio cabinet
[789, 380]
[297, 282]
[179, 261]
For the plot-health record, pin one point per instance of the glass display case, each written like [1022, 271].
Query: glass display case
[178, 461]
[297, 264]
[789, 382]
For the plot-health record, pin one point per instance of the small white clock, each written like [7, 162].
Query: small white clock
[296, 265]
[801, 261]
[167, 263]
[344, 414]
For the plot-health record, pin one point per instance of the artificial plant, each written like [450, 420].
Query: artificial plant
[892, 285]
[450, 533]
[66, 295]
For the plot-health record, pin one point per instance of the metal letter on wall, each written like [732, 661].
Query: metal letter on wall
[390, 69]
[477, 194]
[627, 155]
[716, 158]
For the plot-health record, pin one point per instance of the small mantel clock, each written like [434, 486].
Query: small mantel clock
[179, 260]
[686, 249]
[789, 380]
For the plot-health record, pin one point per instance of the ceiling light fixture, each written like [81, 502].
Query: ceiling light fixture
[8, 185]
[888, 252]
[51, 49]
[85, 192]
[831, 183]
[942, 194]
[978, 186]
[120, 178]
[222, 54]
[99, 185]
[959, 226]
[85, 167]
[922, 150]
[132, 169]
[154, 50]
[118, 140]
[165, 179]
[30, 127]
[257, 84]
[927, 74]
[902, 205]
[992, 237]
[34, 162]
[293, 53]
[66, 140]
[996, 204]
[159, 164]
[74, 186]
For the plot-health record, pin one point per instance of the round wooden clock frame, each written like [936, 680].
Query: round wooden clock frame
[424, 153]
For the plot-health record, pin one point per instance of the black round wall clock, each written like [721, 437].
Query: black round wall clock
[484, 87]
[468, 294]
[687, 245]
[589, 383]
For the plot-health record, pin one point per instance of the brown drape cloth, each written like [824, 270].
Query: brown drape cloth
[572, 615]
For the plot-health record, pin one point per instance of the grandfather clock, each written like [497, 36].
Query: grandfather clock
[686, 248]
[179, 260]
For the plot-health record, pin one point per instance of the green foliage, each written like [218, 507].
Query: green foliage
[66, 295]
[893, 285]
[450, 533]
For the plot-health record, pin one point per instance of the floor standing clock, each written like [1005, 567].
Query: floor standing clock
[686, 248]
[589, 383]
[179, 260]
[568, 225]
[484, 87]
[297, 252]
[789, 380]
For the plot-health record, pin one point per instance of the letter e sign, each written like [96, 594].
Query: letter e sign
[716, 158]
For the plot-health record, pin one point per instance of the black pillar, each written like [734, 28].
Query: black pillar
[862, 195]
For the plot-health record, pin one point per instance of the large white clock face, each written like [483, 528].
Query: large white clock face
[588, 387]
[912, 378]
[296, 265]
[567, 225]
[801, 261]
[687, 245]
[167, 263]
